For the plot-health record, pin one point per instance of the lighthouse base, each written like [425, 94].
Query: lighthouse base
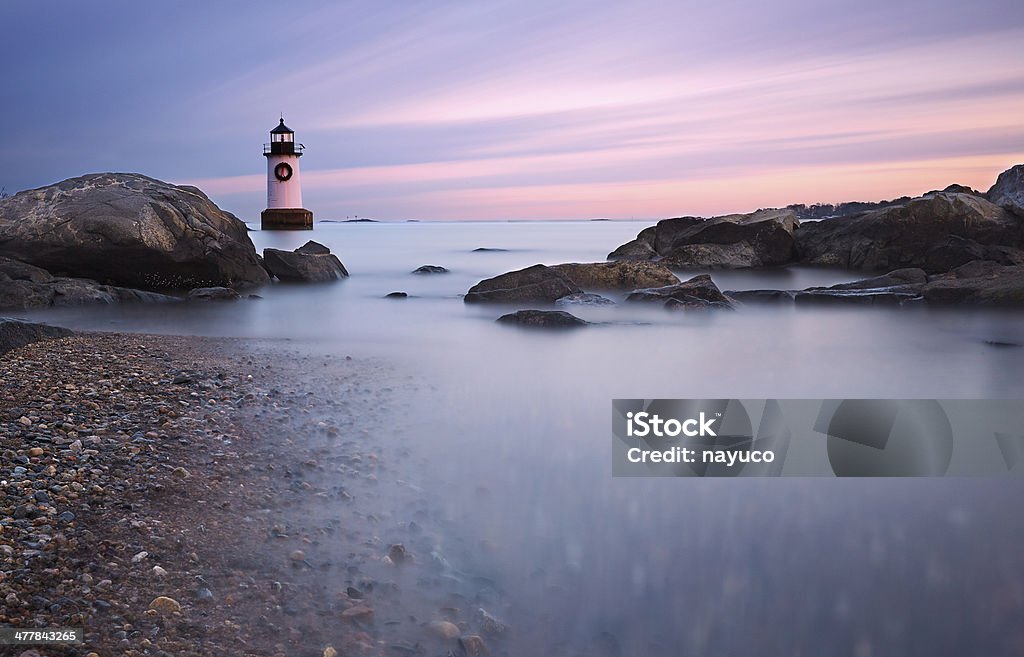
[286, 219]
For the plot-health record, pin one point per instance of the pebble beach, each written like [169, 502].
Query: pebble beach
[186, 496]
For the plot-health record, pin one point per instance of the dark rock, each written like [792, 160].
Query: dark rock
[15, 333]
[978, 283]
[1008, 192]
[907, 235]
[760, 296]
[538, 283]
[542, 319]
[898, 278]
[24, 294]
[697, 292]
[484, 249]
[430, 269]
[761, 239]
[619, 275]
[15, 270]
[396, 295]
[584, 299]
[867, 297]
[130, 230]
[313, 248]
[213, 294]
[309, 263]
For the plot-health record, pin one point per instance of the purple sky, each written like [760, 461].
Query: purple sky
[521, 109]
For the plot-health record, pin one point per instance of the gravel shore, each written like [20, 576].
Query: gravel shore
[191, 496]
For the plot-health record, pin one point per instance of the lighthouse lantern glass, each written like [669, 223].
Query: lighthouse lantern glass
[282, 137]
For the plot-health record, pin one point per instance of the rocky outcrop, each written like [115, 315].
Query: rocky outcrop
[311, 262]
[1008, 192]
[934, 232]
[536, 284]
[977, 283]
[551, 319]
[129, 230]
[15, 333]
[737, 241]
[620, 275]
[213, 294]
[430, 269]
[697, 292]
[25, 286]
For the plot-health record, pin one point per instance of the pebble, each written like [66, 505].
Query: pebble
[158, 571]
[444, 629]
[474, 646]
[362, 613]
[165, 605]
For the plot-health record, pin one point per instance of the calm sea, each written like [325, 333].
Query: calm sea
[515, 429]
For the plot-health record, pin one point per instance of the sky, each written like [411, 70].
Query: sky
[521, 109]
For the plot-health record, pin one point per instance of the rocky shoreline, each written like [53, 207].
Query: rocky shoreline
[188, 496]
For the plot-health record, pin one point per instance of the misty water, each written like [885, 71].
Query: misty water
[511, 429]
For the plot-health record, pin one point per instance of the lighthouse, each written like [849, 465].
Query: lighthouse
[284, 190]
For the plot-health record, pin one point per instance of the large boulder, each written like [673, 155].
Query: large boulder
[131, 230]
[536, 284]
[736, 241]
[552, 319]
[978, 283]
[1008, 192]
[933, 232]
[15, 333]
[620, 275]
[697, 292]
[311, 262]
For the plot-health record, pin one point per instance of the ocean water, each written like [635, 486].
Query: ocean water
[514, 427]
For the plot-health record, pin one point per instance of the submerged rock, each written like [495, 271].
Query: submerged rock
[430, 269]
[473, 646]
[131, 230]
[536, 284]
[557, 319]
[396, 295]
[311, 262]
[760, 239]
[697, 292]
[619, 275]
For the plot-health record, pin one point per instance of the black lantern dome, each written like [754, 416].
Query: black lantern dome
[282, 141]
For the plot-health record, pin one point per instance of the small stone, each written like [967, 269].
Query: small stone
[24, 421]
[474, 646]
[158, 571]
[180, 472]
[444, 629]
[297, 556]
[362, 613]
[165, 605]
[204, 595]
[489, 624]
[397, 553]
[140, 556]
[35, 451]
[66, 516]
[329, 651]
[75, 447]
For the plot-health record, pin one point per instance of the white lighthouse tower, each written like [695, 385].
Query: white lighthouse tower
[284, 190]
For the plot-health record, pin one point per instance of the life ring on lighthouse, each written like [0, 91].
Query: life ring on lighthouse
[283, 171]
